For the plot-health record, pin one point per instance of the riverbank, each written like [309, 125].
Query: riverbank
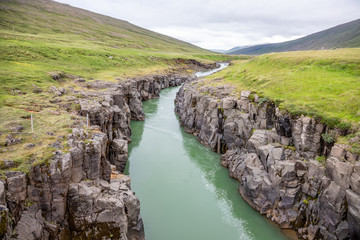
[184, 192]
[77, 189]
[276, 160]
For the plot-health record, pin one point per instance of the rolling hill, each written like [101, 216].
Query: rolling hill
[42, 36]
[342, 36]
[46, 45]
[52, 20]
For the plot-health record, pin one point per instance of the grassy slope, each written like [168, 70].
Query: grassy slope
[38, 37]
[41, 36]
[321, 84]
[342, 36]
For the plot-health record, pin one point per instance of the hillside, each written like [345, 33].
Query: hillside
[42, 36]
[46, 47]
[51, 19]
[342, 36]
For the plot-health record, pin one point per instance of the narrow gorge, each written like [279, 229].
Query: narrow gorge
[80, 192]
[83, 193]
[184, 192]
[111, 126]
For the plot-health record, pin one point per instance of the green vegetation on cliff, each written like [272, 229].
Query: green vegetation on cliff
[322, 84]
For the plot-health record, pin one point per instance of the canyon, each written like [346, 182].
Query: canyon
[81, 193]
[275, 159]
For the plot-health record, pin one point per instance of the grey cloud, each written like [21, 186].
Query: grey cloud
[227, 23]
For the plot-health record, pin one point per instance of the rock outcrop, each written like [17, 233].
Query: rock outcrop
[113, 105]
[75, 195]
[274, 157]
[81, 193]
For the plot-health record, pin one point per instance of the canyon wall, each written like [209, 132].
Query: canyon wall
[81, 193]
[276, 160]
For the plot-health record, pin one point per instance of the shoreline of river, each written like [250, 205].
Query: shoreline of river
[264, 149]
[82, 176]
[149, 167]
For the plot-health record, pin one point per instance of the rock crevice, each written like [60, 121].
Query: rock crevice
[81, 193]
[273, 156]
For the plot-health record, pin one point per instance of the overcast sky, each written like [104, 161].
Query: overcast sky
[223, 24]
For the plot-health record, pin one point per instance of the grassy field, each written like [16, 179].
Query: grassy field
[25, 62]
[39, 38]
[321, 84]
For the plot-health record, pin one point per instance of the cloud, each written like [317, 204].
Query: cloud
[227, 23]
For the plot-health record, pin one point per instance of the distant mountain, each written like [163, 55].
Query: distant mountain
[230, 50]
[217, 50]
[237, 48]
[346, 35]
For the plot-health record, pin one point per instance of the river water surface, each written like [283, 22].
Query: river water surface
[185, 193]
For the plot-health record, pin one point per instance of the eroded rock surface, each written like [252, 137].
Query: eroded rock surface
[77, 195]
[273, 156]
[80, 193]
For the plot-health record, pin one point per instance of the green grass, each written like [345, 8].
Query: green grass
[26, 62]
[320, 84]
[40, 37]
[23, 156]
[321, 159]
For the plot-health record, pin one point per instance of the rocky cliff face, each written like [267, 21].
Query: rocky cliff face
[76, 195]
[273, 156]
[80, 193]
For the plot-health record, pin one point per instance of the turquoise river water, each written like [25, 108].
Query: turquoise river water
[185, 193]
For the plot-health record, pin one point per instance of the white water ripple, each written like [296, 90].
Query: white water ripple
[227, 217]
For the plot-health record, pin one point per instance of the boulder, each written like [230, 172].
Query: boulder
[332, 206]
[315, 174]
[31, 224]
[353, 201]
[119, 153]
[228, 103]
[355, 179]
[11, 140]
[290, 197]
[16, 192]
[289, 171]
[338, 151]
[342, 231]
[258, 138]
[97, 211]
[338, 171]
[269, 154]
[306, 134]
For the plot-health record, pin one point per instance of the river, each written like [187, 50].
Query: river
[185, 193]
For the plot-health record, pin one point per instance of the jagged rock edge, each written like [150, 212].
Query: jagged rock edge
[273, 157]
